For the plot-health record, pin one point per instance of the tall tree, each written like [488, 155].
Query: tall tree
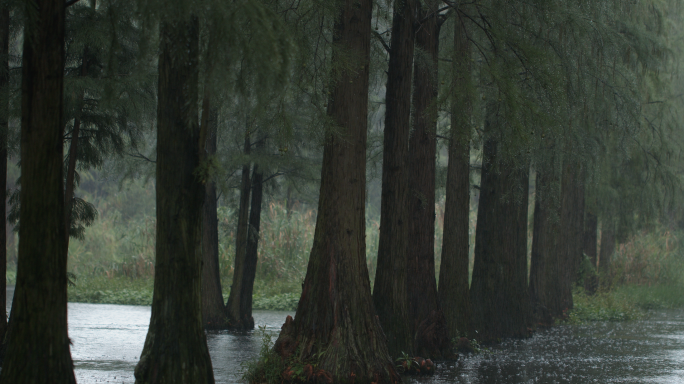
[545, 268]
[233, 306]
[335, 319]
[454, 273]
[390, 289]
[38, 347]
[571, 228]
[73, 149]
[213, 308]
[499, 283]
[175, 349]
[4, 133]
[251, 251]
[428, 324]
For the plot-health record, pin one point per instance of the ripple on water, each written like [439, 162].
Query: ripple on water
[107, 341]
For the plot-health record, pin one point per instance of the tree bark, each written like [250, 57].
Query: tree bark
[335, 319]
[571, 228]
[249, 272]
[590, 245]
[4, 131]
[38, 347]
[213, 308]
[175, 349]
[233, 305]
[454, 272]
[390, 289]
[428, 324]
[545, 270]
[499, 283]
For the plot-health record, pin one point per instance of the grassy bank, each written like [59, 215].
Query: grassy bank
[647, 273]
[138, 291]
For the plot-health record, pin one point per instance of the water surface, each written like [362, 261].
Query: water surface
[107, 341]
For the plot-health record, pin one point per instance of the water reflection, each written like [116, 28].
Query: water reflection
[107, 341]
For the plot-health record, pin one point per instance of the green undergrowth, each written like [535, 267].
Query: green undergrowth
[138, 291]
[604, 306]
[623, 303]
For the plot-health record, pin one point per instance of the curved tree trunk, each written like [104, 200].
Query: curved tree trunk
[499, 284]
[454, 272]
[428, 324]
[38, 347]
[233, 306]
[335, 319]
[390, 289]
[571, 229]
[545, 270]
[175, 349]
[213, 309]
[251, 253]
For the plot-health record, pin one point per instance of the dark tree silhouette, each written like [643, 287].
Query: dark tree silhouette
[428, 324]
[176, 350]
[335, 319]
[454, 274]
[38, 346]
[390, 289]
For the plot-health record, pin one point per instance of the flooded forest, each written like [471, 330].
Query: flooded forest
[342, 191]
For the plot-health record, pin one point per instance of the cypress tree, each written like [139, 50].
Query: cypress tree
[499, 284]
[390, 289]
[38, 347]
[335, 319]
[175, 349]
[454, 273]
[428, 323]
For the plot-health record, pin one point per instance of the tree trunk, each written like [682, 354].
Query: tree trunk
[4, 128]
[571, 229]
[38, 347]
[545, 270]
[335, 320]
[590, 245]
[428, 324]
[175, 349]
[499, 284]
[390, 290]
[454, 272]
[213, 309]
[249, 272]
[73, 154]
[233, 305]
[607, 250]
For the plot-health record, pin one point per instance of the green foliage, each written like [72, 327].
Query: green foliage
[115, 290]
[282, 302]
[601, 307]
[268, 366]
[647, 273]
[649, 258]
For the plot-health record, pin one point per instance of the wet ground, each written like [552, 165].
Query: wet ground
[108, 339]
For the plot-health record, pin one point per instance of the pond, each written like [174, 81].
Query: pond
[107, 341]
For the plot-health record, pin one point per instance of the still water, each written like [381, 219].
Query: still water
[107, 340]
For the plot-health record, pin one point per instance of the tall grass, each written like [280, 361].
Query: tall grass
[650, 258]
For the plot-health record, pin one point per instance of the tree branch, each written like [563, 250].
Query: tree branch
[382, 41]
